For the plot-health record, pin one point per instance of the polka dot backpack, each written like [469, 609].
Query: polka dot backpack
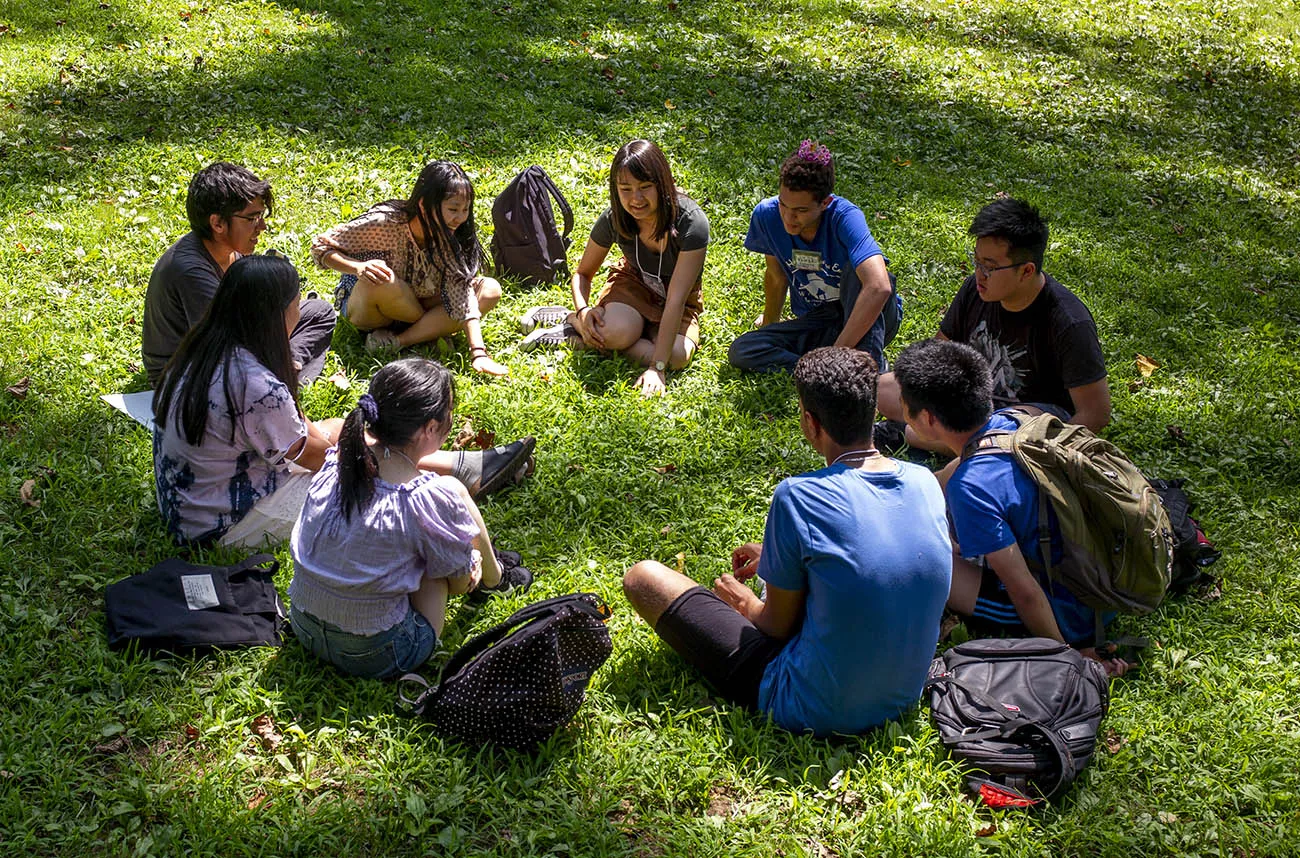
[519, 682]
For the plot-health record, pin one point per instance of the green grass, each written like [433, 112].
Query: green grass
[1160, 135]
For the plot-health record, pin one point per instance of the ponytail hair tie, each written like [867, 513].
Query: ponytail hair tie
[369, 408]
[814, 153]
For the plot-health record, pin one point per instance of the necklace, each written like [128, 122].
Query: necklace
[389, 450]
[861, 455]
[659, 272]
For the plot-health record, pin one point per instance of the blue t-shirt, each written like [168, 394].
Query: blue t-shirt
[824, 269]
[872, 553]
[993, 504]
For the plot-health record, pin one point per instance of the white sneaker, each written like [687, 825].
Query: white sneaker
[551, 314]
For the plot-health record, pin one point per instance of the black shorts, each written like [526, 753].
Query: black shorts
[718, 642]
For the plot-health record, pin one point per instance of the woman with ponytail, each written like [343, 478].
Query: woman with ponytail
[382, 542]
[411, 267]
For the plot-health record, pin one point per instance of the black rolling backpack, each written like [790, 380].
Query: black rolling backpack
[525, 239]
[520, 681]
[1022, 713]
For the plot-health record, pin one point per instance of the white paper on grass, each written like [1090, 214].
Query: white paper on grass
[137, 406]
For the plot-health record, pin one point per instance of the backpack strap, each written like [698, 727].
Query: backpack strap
[561, 201]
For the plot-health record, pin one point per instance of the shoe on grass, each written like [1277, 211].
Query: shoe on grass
[542, 317]
[505, 466]
[553, 337]
[381, 340]
[514, 579]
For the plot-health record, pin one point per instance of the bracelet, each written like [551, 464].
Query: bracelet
[584, 307]
[478, 351]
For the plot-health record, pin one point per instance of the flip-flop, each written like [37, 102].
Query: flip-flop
[503, 464]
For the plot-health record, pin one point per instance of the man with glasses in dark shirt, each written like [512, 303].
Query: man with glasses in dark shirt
[1038, 337]
[227, 206]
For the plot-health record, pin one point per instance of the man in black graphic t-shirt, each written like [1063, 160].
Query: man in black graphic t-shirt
[1038, 337]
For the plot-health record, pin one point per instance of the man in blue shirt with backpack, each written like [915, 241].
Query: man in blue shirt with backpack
[947, 396]
[819, 249]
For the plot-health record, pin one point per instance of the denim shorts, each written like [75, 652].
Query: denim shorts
[384, 655]
[343, 292]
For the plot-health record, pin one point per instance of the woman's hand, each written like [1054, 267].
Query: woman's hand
[375, 270]
[484, 364]
[651, 382]
[744, 561]
[591, 324]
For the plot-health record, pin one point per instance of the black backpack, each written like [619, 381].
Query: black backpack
[525, 241]
[180, 607]
[1023, 713]
[519, 682]
[1193, 550]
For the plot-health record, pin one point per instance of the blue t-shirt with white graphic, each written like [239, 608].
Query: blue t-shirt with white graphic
[824, 269]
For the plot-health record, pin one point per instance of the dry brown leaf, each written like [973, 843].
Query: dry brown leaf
[259, 798]
[191, 733]
[607, 73]
[1146, 365]
[987, 830]
[666, 469]
[1176, 432]
[464, 436]
[264, 728]
[665, 530]
[1135, 385]
[485, 440]
[115, 745]
[1114, 741]
[575, 467]
[18, 390]
[25, 494]
[670, 105]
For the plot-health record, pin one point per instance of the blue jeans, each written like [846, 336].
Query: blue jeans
[779, 346]
[385, 655]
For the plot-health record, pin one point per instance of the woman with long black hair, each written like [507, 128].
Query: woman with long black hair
[228, 425]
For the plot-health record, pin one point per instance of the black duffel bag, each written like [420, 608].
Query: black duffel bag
[1023, 713]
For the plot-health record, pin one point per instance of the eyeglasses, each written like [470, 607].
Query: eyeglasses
[256, 217]
[984, 270]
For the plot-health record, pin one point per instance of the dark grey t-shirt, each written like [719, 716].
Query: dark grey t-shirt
[180, 289]
[657, 269]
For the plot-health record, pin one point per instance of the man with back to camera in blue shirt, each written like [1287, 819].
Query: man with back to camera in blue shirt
[856, 560]
[819, 249]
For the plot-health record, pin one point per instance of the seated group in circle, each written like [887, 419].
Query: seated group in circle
[384, 522]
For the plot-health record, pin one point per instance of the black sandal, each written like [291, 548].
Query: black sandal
[502, 464]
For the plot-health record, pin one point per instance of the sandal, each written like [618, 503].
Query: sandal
[505, 465]
[381, 340]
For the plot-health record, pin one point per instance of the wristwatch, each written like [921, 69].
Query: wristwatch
[661, 365]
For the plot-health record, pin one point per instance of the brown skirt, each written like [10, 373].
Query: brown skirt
[625, 286]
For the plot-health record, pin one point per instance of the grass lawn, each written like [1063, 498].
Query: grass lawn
[1160, 135]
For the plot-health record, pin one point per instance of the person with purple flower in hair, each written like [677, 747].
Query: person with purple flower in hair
[820, 251]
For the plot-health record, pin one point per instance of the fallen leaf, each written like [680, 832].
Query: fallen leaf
[665, 530]
[656, 66]
[116, 745]
[1256, 290]
[666, 469]
[1166, 817]
[485, 440]
[191, 733]
[670, 105]
[1114, 741]
[987, 830]
[575, 467]
[1146, 365]
[1135, 385]
[19, 389]
[464, 436]
[681, 562]
[258, 799]
[341, 381]
[264, 728]
[1179, 228]
[1176, 432]
[902, 162]
[25, 494]
[607, 73]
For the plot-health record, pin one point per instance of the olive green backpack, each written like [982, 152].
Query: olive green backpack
[1117, 539]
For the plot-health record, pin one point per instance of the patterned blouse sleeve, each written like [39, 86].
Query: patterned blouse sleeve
[445, 525]
[374, 235]
[269, 418]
